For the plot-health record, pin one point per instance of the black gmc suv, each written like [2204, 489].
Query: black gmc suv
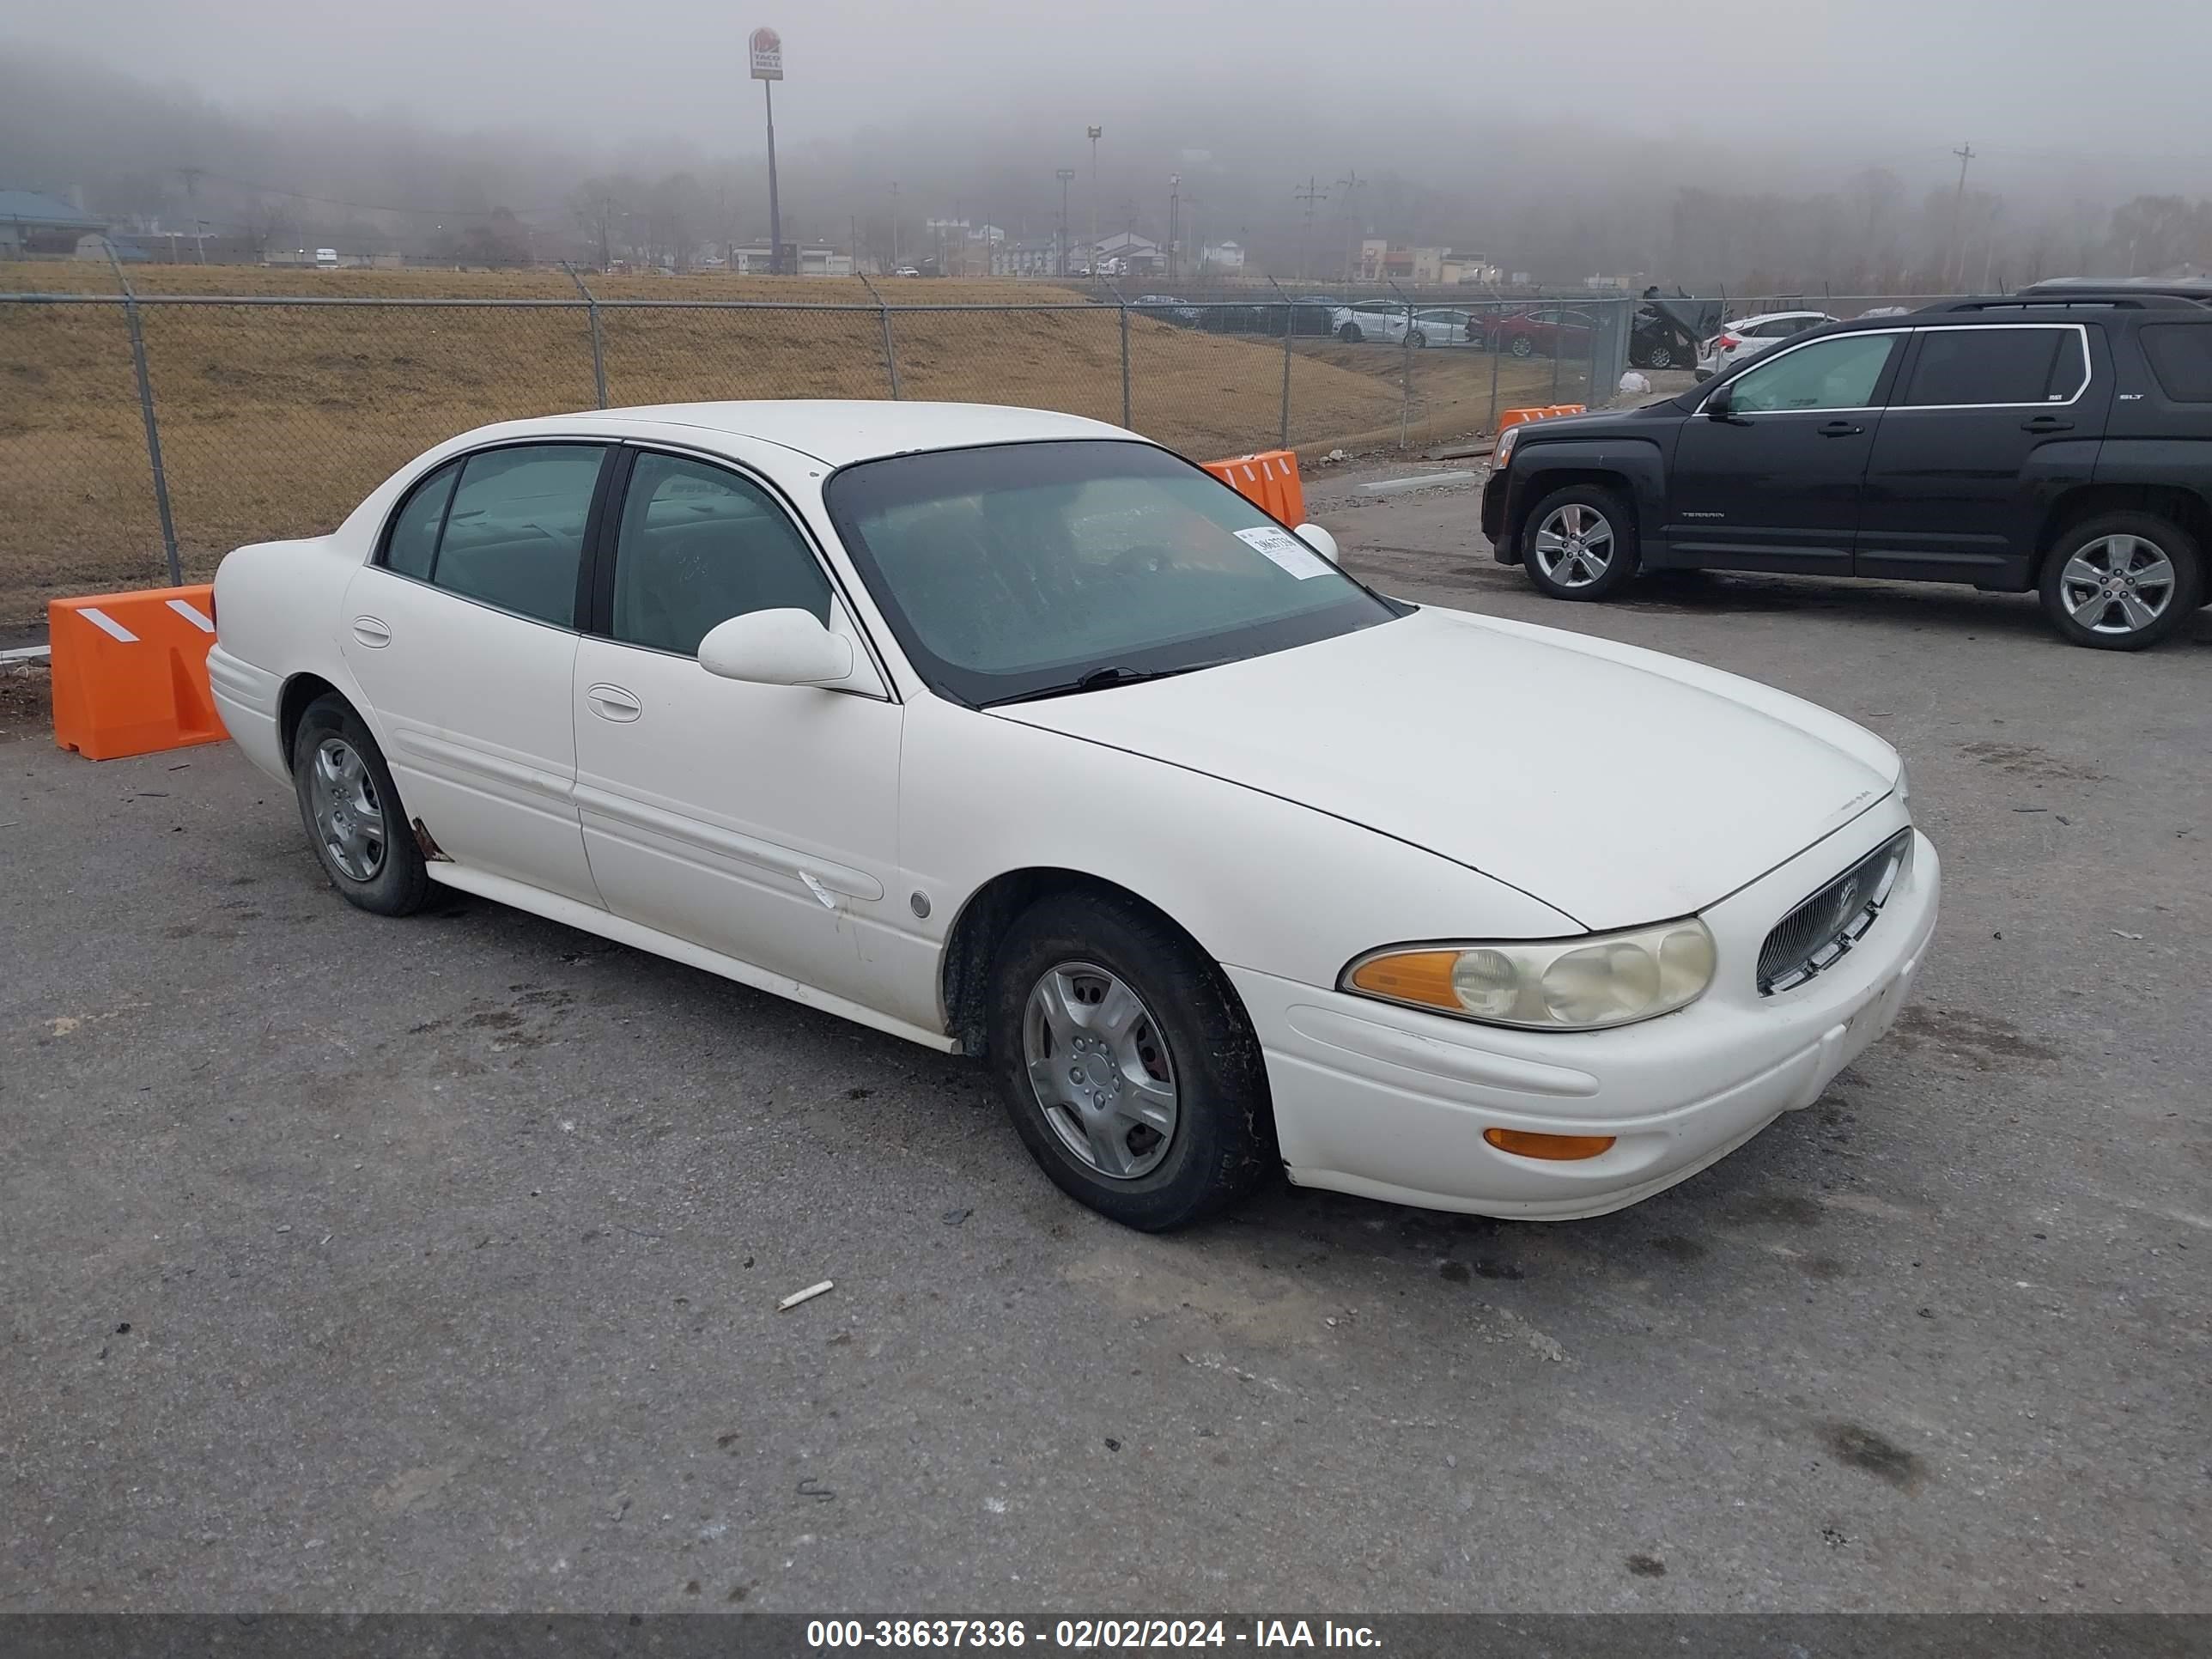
[2058, 442]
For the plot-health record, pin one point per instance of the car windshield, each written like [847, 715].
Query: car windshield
[1014, 570]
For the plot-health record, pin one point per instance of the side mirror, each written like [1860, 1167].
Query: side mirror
[1717, 401]
[1321, 541]
[776, 647]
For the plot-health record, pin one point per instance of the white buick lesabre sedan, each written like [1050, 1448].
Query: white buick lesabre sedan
[1013, 734]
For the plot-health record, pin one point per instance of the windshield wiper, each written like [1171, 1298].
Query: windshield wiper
[1099, 679]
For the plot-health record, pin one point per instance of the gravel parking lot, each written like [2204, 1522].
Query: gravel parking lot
[433, 1264]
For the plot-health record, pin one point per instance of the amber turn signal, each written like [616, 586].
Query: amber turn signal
[1422, 976]
[1559, 1149]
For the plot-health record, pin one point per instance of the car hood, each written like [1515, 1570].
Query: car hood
[1618, 786]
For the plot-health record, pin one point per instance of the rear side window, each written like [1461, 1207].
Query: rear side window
[514, 532]
[1995, 366]
[2181, 358]
[412, 546]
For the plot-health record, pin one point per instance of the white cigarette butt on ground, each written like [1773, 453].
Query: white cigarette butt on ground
[807, 1295]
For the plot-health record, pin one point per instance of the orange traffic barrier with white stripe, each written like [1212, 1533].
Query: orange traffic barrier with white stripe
[1269, 477]
[1543, 412]
[129, 672]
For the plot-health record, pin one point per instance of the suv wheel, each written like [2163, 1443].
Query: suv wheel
[1580, 543]
[2121, 581]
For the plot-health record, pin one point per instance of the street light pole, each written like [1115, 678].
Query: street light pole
[1174, 200]
[1094, 132]
[1064, 175]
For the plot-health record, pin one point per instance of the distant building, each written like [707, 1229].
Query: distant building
[1223, 256]
[814, 260]
[32, 221]
[1382, 261]
[1469, 268]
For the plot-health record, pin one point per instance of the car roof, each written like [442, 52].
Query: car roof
[1771, 317]
[839, 432]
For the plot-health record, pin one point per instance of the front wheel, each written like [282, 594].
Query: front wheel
[354, 820]
[1522, 346]
[1659, 356]
[1127, 1065]
[1580, 543]
[2121, 581]
[1418, 339]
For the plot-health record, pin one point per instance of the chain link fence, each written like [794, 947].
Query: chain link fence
[142, 436]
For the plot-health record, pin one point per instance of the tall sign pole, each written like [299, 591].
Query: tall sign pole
[1094, 133]
[767, 46]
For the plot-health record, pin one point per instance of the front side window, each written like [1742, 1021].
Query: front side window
[1965, 366]
[515, 530]
[1837, 374]
[699, 546]
[1012, 570]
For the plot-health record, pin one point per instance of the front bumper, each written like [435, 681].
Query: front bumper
[1493, 515]
[1391, 1103]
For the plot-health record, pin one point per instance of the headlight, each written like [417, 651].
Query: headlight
[1548, 985]
[1503, 451]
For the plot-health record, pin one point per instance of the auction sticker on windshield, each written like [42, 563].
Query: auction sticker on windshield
[1285, 549]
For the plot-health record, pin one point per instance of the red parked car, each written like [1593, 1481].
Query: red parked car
[1543, 331]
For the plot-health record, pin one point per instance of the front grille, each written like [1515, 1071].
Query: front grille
[1821, 932]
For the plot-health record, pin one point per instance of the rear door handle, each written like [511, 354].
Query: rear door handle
[611, 703]
[371, 632]
[2047, 424]
[1841, 429]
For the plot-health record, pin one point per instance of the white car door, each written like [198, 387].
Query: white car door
[760, 821]
[461, 633]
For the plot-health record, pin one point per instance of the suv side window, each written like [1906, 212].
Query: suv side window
[2181, 359]
[1989, 366]
[1841, 373]
[514, 532]
[698, 545]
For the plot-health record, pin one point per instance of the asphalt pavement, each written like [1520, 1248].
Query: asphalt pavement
[357, 1264]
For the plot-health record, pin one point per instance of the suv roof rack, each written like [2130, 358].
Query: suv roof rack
[2087, 298]
[2187, 288]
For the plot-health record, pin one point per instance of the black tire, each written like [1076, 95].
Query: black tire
[1222, 1144]
[1659, 356]
[1416, 337]
[2103, 627]
[1522, 346]
[1571, 576]
[1350, 334]
[395, 882]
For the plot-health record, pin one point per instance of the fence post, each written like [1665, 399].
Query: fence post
[1496, 352]
[884, 313]
[1126, 412]
[1405, 371]
[146, 411]
[1290, 322]
[599, 351]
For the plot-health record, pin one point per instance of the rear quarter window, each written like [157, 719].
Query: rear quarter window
[2180, 356]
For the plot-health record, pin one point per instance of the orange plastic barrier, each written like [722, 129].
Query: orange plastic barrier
[1270, 478]
[1515, 417]
[129, 672]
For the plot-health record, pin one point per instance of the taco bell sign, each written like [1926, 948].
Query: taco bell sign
[768, 54]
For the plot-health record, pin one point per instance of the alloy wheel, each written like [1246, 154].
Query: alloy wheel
[1574, 545]
[2116, 584]
[349, 814]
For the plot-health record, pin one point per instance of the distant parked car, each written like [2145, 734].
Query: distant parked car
[1434, 325]
[1168, 309]
[907, 271]
[1747, 336]
[1543, 331]
[326, 258]
[1669, 328]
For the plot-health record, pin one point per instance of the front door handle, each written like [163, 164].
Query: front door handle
[611, 703]
[371, 632]
[2047, 424]
[1841, 429]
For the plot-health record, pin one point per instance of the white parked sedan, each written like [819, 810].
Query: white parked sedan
[1014, 734]
[1747, 337]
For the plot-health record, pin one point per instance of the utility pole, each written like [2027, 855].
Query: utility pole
[1174, 220]
[1094, 132]
[1351, 182]
[895, 259]
[192, 198]
[1309, 192]
[1958, 201]
[1065, 175]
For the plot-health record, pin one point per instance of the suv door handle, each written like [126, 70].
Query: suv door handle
[611, 703]
[1841, 429]
[2047, 424]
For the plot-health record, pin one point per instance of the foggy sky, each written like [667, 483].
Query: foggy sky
[2032, 83]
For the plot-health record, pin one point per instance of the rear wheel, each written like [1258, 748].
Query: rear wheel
[354, 820]
[1350, 334]
[1125, 1063]
[1580, 543]
[2121, 581]
[1522, 346]
[1418, 339]
[1659, 356]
